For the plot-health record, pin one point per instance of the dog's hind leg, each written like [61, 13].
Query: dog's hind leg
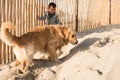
[25, 65]
[17, 62]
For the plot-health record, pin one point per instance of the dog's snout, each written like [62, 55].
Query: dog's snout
[76, 42]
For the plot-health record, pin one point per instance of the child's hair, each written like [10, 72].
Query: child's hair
[52, 5]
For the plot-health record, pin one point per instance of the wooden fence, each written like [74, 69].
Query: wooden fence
[78, 14]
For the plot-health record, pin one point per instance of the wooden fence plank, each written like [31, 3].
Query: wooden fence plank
[93, 13]
[115, 11]
[0, 27]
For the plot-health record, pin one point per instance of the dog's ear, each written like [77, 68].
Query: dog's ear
[66, 32]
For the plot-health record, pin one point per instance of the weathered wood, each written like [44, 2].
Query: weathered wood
[76, 15]
[92, 14]
[115, 11]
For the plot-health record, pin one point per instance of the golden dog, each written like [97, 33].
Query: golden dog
[46, 39]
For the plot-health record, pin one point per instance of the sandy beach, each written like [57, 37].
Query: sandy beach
[95, 57]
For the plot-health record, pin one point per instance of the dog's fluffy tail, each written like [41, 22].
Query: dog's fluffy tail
[5, 35]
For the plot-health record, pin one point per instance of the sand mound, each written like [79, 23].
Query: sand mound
[95, 57]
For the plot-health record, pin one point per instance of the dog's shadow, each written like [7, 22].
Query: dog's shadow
[42, 64]
[82, 46]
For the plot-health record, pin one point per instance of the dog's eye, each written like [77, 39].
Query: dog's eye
[73, 35]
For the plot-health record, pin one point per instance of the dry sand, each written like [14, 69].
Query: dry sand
[95, 57]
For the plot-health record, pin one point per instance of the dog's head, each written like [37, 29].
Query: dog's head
[70, 35]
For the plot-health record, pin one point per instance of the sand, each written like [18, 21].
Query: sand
[95, 57]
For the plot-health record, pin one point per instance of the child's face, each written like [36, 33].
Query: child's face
[52, 10]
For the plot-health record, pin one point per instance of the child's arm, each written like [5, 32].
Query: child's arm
[41, 17]
[58, 21]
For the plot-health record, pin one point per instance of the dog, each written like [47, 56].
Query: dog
[47, 39]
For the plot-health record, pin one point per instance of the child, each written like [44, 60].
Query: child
[50, 17]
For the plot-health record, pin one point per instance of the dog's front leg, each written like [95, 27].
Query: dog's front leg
[52, 53]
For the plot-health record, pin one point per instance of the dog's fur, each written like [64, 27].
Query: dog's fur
[46, 39]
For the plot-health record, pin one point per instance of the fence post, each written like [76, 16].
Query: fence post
[76, 15]
[109, 11]
[0, 40]
[0, 52]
